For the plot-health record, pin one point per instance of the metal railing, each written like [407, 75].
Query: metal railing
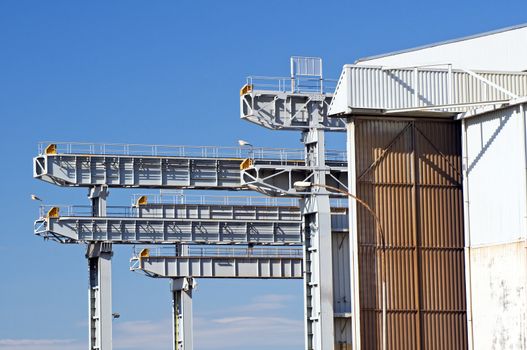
[182, 198]
[133, 212]
[179, 197]
[439, 86]
[224, 251]
[295, 85]
[87, 211]
[281, 154]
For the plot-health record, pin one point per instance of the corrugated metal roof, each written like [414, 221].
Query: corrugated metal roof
[474, 36]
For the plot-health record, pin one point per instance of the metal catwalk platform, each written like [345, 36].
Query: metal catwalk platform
[220, 262]
[167, 223]
[275, 103]
[155, 166]
[132, 230]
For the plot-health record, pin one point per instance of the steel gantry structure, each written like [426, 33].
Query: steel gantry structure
[303, 106]
[300, 103]
[100, 226]
[241, 254]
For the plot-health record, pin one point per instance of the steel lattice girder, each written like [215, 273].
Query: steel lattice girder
[284, 229]
[288, 110]
[154, 230]
[87, 170]
[279, 180]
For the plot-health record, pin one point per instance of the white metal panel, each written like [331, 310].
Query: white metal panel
[372, 87]
[496, 177]
[504, 50]
[341, 97]
[499, 296]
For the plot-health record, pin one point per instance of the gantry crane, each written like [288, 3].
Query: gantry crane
[301, 106]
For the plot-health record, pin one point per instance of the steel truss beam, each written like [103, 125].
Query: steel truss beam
[87, 170]
[288, 110]
[279, 180]
[184, 223]
[160, 231]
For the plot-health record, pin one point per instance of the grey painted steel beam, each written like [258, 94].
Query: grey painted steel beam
[259, 267]
[128, 230]
[277, 213]
[87, 170]
[187, 223]
[138, 171]
[279, 180]
[288, 110]
[256, 213]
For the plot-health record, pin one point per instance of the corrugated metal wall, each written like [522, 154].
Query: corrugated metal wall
[378, 88]
[409, 172]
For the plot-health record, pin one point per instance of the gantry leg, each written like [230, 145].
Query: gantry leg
[99, 257]
[182, 312]
[319, 315]
[100, 295]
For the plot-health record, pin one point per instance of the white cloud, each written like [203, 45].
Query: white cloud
[262, 323]
[247, 331]
[268, 302]
[41, 344]
[143, 335]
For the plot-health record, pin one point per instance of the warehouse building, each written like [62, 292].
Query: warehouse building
[437, 147]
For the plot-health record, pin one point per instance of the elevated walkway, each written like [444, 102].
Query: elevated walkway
[298, 102]
[169, 223]
[220, 262]
[155, 166]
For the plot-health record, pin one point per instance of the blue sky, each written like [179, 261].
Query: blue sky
[167, 72]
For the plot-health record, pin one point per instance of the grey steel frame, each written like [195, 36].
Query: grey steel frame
[290, 110]
[99, 171]
[99, 255]
[121, 171]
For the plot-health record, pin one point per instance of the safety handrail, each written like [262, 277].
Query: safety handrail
[87, 211]
[282, 154]
[224, 251]
[298, 84]
[181, 198]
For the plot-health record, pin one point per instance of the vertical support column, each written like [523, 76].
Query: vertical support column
[182, 312]
[99, 257]
[319, 315]
[468, 244]
[354, 240]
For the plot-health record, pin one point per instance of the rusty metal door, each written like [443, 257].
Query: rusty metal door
[409, 172]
